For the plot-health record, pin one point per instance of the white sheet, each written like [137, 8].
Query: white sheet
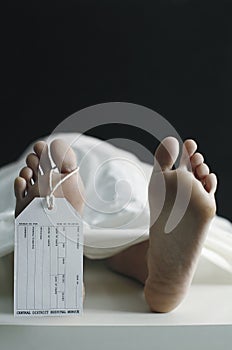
[116, 214]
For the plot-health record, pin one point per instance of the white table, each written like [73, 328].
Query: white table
[205, 316]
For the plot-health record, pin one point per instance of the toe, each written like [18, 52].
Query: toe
[202, 171]
[63, 156]
[196, 160]
[33, 163]
[41, 149]
[27, 174]
[166, 154]
[189, 148]
[20, 185]
[211, 183]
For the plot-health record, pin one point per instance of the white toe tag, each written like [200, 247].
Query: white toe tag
[48, 260]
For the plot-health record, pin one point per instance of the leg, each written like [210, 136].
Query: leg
[166, 263]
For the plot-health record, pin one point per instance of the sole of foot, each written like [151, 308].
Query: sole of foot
[172, 258]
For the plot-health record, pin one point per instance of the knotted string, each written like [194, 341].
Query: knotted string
[50, 197]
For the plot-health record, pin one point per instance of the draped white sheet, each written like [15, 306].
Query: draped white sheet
[116, 213]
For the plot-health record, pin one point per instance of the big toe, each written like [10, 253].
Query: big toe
[166, 154]
[63, 156]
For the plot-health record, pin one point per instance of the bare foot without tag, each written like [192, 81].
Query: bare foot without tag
[173, 254]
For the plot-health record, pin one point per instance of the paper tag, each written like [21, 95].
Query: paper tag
[48, 260]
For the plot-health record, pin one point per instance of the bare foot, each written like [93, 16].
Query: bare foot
[31, 183]
[172, 257]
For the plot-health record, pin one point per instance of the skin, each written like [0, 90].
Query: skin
[165, 263]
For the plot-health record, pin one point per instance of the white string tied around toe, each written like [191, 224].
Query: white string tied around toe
[50, 197]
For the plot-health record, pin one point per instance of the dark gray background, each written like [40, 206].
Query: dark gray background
[173, 56]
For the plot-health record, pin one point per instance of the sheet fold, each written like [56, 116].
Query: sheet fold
[116, 213]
